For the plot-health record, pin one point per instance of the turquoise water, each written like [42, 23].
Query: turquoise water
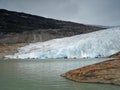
[45, 75]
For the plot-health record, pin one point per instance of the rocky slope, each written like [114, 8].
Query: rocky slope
[18, 27]
[6, 49]
[104, 72]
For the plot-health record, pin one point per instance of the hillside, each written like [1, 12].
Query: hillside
[18, 27]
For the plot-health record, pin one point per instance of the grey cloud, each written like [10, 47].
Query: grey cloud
[104, 12]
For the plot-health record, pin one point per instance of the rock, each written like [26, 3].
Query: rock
[6, 49]
[104, 72]
[117, 55]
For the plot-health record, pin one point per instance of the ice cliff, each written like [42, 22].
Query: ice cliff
[96, 44]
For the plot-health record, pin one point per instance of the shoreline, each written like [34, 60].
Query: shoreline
[107, 72]
[104, 72]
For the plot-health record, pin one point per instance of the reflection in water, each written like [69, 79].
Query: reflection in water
[44, 75]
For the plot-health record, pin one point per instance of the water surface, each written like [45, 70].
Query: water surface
[45, 75]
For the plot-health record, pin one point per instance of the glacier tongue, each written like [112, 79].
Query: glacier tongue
[96, 44]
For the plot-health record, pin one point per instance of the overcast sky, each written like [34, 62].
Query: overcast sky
[99, 12]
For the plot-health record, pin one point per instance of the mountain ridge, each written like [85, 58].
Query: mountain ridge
[14, 24]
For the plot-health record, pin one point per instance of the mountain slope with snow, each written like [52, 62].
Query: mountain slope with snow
[96, 44]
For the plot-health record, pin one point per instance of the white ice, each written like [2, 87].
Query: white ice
[96, 44]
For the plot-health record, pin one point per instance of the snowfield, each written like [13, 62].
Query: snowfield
[96, 44]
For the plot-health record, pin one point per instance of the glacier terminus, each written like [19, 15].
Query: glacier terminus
[95, 44]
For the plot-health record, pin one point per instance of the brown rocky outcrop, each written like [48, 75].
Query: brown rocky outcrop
[117, 55]
[104, 72]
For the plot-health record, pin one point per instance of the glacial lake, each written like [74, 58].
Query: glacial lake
[45, 75]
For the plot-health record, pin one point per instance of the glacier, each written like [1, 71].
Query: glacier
[96, 44]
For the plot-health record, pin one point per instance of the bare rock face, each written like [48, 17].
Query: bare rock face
[6, 49]
[104, 72]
